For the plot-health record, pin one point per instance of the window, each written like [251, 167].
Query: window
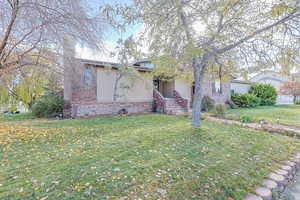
[88, 77]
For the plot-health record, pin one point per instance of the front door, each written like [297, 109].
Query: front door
[166, 88]
[156, 84]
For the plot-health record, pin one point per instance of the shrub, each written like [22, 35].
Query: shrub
[266, 92]
[297, 102]
[220, 110]
[207, 104]
[246, 119]
[245, 100]
[48, 105]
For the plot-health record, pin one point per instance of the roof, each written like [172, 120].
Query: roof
[242, 82]
[140, 61]
[114, 65]
[270, 75]
[98, 63]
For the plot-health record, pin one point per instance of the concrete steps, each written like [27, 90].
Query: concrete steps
[173, 108]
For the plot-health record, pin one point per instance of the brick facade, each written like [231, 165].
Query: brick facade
[84, 95]
[81, 109]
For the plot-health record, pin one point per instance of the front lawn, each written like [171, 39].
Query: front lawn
[16, 117]
[287, 114]
[145, 157]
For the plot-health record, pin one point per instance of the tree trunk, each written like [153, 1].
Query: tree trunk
[30, 105]
[196, 118]
[116, 85]
[199, 71]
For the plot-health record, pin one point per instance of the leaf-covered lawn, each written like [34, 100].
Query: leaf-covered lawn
[287, 114]
[16, 117]
[145, 157]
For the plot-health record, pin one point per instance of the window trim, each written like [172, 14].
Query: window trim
[88, 77]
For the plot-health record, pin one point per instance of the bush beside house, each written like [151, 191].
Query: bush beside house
[245, 100]
[266, 92]
[49, 105]
[259, 94]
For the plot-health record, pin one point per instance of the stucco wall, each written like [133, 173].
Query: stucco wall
[97, 98]
[105, 81]
[184, 89]
[141, 89]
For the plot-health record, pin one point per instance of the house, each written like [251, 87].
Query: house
[277, 80]
[240, 86]
[268, 77]
[90, 90]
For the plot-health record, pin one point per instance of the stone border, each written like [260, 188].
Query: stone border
[272, 187]
[277, 181]
[271, 128]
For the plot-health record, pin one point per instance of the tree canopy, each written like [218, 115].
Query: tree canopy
[33, 28]
[239, 36]
[27, 84]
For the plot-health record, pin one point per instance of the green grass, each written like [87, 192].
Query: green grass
[145, 157]
[16, 117]
[287, 114]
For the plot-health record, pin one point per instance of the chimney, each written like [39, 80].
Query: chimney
[68, 62]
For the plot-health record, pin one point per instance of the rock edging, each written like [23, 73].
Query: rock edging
[271, 128]
[277, 181]
[272, 187]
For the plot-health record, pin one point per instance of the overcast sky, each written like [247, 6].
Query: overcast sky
[111, 36]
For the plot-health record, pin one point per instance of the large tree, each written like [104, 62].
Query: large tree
[25, 85]
[29, 29]
[232, 34]
[126, 52]
[291, 88]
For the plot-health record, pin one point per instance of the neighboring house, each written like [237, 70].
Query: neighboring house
[89, 90]
[273, 78]
[277, 80]
[8, 107]
[240, 87]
